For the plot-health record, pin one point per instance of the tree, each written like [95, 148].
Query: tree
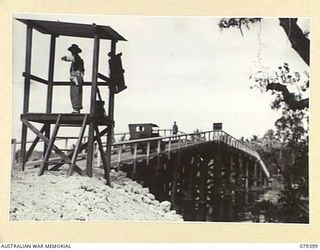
[290, 90]
[279, 81]
[291, 127]
[254, 142]
[299, 42]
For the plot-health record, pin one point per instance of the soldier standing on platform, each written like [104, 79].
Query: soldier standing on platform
[76, 77]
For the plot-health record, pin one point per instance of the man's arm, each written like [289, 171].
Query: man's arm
[69, 58]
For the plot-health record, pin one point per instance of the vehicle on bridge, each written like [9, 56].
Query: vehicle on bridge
[142, 131]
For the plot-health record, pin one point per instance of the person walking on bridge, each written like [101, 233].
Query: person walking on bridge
[76, 77]
[175, 128]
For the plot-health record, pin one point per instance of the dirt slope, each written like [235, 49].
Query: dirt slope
[55, 197]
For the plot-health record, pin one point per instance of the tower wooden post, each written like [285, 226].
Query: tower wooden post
[26, 91]
[50, 84]
[51, 73]
[110, 113]
[95, 65]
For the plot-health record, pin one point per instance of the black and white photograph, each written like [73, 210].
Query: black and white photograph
[160, 118]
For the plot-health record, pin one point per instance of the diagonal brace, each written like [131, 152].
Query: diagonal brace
[46, 140]
[77, 147]
[106, 165]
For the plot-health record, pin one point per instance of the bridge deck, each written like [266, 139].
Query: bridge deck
[76, 119]
[162, 145]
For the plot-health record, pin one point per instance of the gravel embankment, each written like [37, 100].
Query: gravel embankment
[55, 197]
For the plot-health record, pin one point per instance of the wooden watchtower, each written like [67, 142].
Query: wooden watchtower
[94, 120]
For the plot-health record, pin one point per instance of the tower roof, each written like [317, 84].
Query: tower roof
[73, 29]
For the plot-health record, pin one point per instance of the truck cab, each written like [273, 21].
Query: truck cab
[142, 131]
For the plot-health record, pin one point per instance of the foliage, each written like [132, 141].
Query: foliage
[292, 126]
[279, 83]
[290, 209]
[290, 159]
[237, 23]
[286, 149]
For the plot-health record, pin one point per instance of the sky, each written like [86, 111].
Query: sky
[182, 69]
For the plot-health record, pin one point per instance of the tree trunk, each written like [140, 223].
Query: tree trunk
[299, 42]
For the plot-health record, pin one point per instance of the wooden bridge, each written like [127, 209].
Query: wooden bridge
[206, 175]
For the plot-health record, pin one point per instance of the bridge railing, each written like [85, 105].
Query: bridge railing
[126, 135]
[170, 143]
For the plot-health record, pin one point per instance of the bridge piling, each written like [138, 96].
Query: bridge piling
[203, 187]
[175, 165]
[255, 175]
[207, 181]
[189, 187]
[231, 189]
[236, 185]
[148, 153]
[246, 201]
[225, 206]
[216, 196]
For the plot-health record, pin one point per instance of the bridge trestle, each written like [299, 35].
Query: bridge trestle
[206, 182]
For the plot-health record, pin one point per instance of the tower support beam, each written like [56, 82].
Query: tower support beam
[110, 112]
[95, 65]
[26, 91]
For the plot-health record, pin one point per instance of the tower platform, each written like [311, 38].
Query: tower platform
[67, 118]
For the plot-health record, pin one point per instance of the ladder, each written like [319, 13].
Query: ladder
[70, 158]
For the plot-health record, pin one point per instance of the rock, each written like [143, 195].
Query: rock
[87, 188]
[127, 188]
[121, 191]
[171, 217]
[172, 212]
[150, 196]
[146, 200]
[155, 202]
[137, 198]
[79, 198]
[145, 191]
[165, 206]
[136, 190]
